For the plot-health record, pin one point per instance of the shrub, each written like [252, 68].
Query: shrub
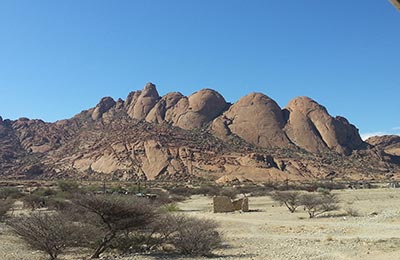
[115, 215]
[44, 192]
[254, 190]
[182, 191]
[186, 235]
[229, 192]
[9, 193]
[46, 232]
[210, 190]
[68, 186]
[5, 206]
[193, 236]
[131, 242]
[352, 212]
[318, 203]
[291, 199]
[57, 203]
[33, 201]
[171, 207]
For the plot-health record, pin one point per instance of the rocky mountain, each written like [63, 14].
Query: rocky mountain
[388, 143]
[176, 137]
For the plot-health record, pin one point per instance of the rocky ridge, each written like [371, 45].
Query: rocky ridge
[150, 137]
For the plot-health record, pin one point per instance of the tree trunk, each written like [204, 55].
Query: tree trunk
[103, 246]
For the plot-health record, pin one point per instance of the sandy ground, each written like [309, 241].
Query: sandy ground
[270, 232]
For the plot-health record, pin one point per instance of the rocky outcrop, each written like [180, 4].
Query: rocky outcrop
[104, 105]
[147, 137]
[383, 141]
[388, 143]
[201, 108]
[191, 112]
[164, 110]
[257, 119]
[310, 127]
[140, 103]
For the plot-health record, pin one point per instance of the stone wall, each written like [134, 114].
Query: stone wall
[225, 204]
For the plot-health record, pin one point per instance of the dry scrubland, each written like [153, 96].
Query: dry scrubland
[271, 232]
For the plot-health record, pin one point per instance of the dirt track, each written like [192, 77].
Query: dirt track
[272, 233]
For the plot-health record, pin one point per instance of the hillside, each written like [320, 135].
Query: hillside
[176, 137]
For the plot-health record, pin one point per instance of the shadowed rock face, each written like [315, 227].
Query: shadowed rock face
[146, 137]
[310, 127]
[384, 140]
[141, 102]
[389, 143]
[104, 105]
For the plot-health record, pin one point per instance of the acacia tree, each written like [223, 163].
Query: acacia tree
[115, 215]
[318, 203]
[43, 231]
[291, 199]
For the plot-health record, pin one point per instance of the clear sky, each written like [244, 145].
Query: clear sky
[60, 57]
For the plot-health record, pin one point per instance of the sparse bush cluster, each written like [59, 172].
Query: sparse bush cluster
[314, 203]
[119, 222]
[7, 199]
[115, 219]
[5, 206]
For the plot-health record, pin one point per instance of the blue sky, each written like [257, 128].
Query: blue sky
[60, 57]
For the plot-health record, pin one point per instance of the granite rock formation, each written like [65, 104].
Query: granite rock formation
[201, 136]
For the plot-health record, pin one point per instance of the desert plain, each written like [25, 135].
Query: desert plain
[269, 231]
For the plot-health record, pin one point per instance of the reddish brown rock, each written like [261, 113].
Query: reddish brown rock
[104, 105]
[164, 110]
[310, 127]
[257, 119]
[190, 112]
[202, 107]
[389, 143]
[140, 103]
[384, 140]
[118, 146]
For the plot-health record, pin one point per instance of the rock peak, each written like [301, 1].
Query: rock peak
[105, 104]
[149, 86]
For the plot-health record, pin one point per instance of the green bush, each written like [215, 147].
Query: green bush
[115, 215]
[34, 201]
[5, 206]
[10, 193]
[68, 186]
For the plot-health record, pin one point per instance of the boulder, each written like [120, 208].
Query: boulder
[102, 107]
[162, 111]
[202, 107]
[310, 127]
[190, 112]
[257, 119]
[142, 102]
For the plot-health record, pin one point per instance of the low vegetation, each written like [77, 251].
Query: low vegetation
[43, 231]
[139, 217]
[318, 203]
[314, 203]
[126, 223]
[291, 199]
[5, 206]
[115, 216]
